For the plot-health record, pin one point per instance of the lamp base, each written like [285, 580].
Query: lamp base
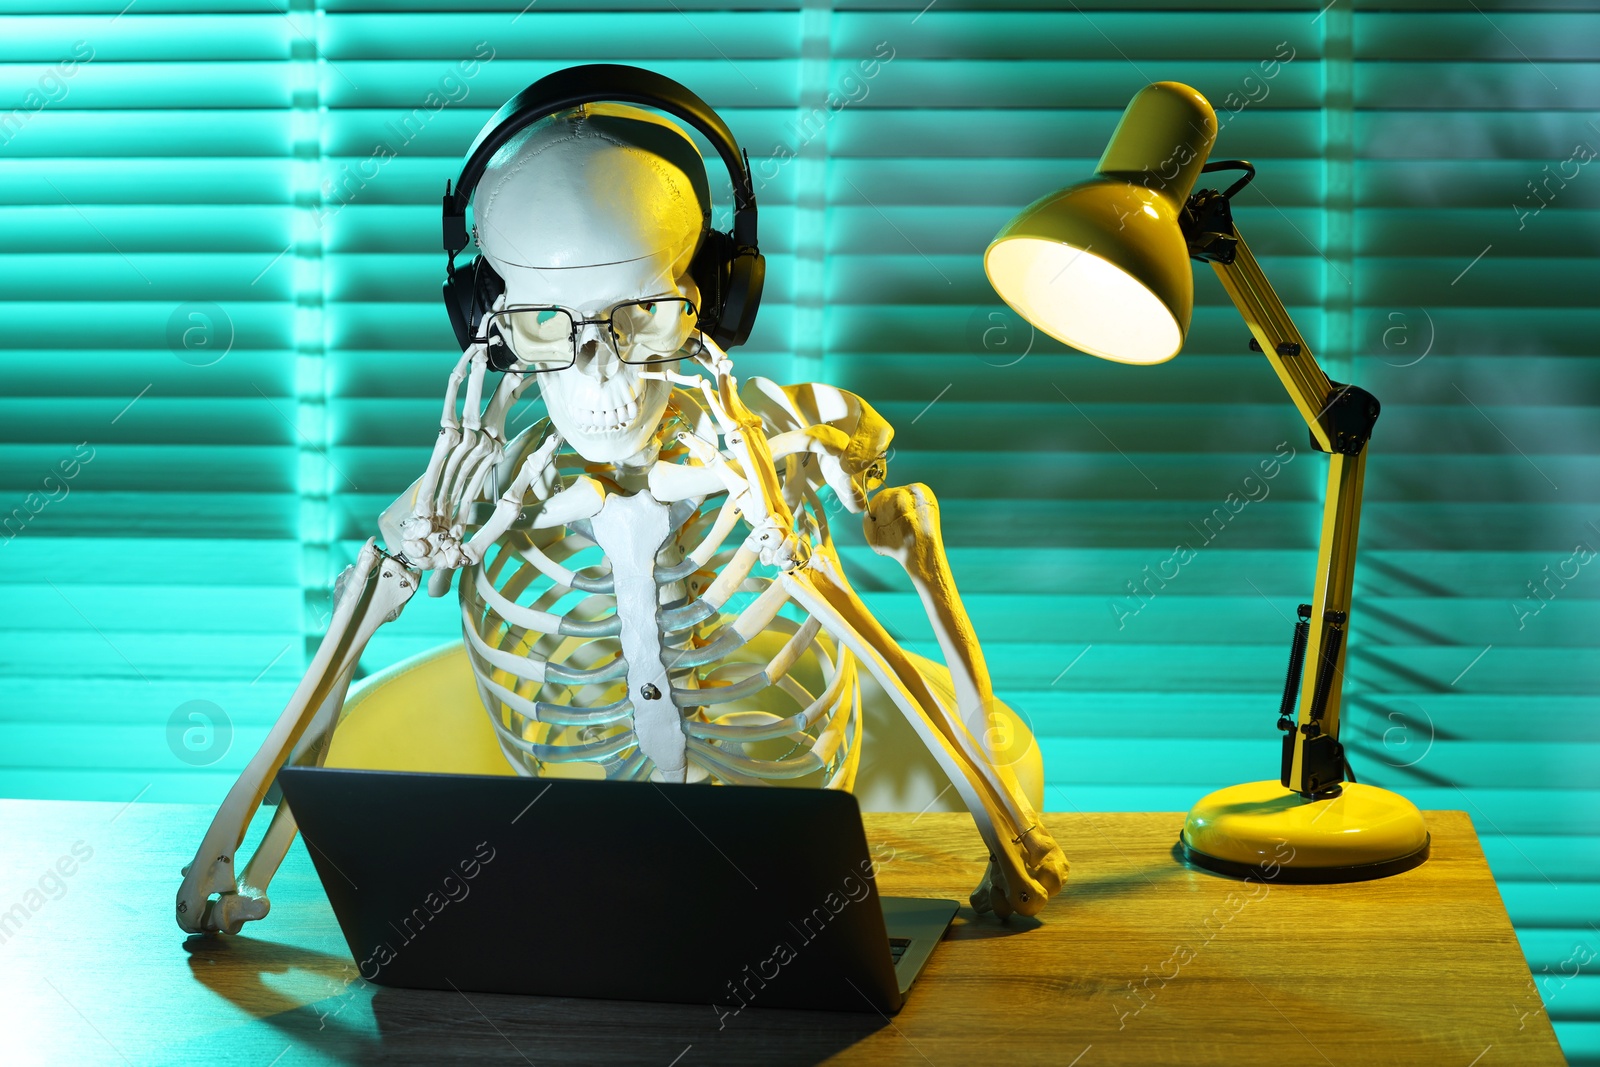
[1264, 831]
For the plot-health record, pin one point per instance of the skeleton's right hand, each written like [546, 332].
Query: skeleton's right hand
[226, 912]
[467, 449]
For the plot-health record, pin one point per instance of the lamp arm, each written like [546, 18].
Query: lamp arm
[1340, 418]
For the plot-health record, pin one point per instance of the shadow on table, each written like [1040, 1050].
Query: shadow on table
[970, 926]
[338, 1023]
[502, 1027]
[1083, 889]
[1139, 880]
[361, 1023]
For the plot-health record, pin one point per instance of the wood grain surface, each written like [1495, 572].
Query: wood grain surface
[1139, 961]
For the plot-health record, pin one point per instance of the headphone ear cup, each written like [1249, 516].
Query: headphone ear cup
[470, 292]
[458, 299]
[730, 288]
[746, 275]
[709, 269]
[489, 289]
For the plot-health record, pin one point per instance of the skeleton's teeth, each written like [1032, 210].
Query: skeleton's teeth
[602, 421]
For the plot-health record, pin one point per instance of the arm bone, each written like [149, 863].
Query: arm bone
[372, 591]
[902, 524]
[1027, 866]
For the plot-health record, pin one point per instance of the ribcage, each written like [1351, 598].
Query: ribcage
[762, 694]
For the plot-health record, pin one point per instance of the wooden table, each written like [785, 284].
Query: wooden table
[1139, 961]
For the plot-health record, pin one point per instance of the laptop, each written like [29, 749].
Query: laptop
[729, 896]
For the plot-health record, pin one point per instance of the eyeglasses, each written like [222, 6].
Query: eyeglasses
[544, 337]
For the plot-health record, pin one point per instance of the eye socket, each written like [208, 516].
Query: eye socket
[653, 331]
[540, 337]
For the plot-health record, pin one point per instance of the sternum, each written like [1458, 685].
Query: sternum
[631, 530]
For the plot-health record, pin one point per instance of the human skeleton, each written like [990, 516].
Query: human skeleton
[599, 585]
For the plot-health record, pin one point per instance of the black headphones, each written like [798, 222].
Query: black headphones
[728, 267]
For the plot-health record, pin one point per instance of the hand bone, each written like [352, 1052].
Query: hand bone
[466, 452]
[535, 480]
[992, 894]
[226, 913]
[777, 547]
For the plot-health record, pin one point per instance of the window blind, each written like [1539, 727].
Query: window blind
[149, 542]
[271, 177]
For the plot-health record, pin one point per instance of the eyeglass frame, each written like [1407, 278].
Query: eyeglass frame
[608, 319]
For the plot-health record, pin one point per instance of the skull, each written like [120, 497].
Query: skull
[593, 207]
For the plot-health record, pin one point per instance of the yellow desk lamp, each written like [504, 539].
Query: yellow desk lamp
[1103, 266]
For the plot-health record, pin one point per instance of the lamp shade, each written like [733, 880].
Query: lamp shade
[1102, 265]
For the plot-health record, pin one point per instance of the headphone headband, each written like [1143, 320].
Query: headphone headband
[727, 268]
[587, 84]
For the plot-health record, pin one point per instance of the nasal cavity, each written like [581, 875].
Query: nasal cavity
[597, 358]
